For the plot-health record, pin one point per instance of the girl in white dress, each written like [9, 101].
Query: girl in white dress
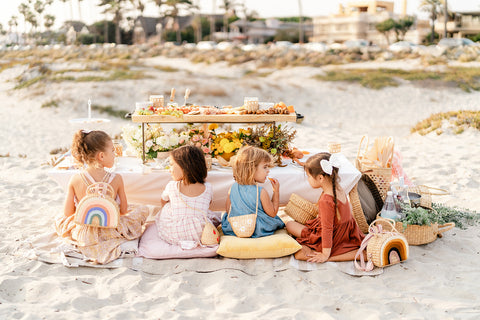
[186, 199]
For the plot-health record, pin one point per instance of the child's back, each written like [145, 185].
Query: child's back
[243, 199]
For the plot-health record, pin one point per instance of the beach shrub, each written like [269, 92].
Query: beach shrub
[458, 120]
[110, 110]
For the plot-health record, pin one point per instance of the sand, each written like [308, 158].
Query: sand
[439, 281]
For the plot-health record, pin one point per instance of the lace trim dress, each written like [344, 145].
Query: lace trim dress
[102, 245]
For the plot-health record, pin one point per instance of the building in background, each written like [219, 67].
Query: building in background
[460, 24]
[357, 20]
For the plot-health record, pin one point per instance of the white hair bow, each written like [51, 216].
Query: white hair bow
[327, 165]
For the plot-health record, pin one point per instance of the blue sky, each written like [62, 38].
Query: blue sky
[266, 8]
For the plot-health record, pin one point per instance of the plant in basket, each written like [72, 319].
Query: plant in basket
[156, 140]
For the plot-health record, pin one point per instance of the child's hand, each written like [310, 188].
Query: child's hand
[275, 184]
[318, 257]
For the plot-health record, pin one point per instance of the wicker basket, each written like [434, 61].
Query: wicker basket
[383, 243]
[426, 194]
[380, 176]
[416, 234]
[301, 210]
[334, 147]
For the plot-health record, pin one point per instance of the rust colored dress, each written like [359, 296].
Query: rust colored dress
[326, 231]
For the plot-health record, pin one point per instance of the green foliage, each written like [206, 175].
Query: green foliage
[50, 104]
[460, 119]
[287, 35]
[275, 139]
[110, 110]
[466, 79]
[461, 217]
[441, 214]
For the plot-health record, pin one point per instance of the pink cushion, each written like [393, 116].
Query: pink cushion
[151, 246]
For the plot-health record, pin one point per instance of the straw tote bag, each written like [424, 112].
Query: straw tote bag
[379, 171]
[243, 226]
[210, 235]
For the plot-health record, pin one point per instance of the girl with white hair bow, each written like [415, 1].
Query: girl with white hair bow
[334, 234]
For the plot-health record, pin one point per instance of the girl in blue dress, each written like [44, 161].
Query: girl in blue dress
[250, 167]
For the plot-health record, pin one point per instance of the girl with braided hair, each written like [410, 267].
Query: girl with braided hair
[334, 234]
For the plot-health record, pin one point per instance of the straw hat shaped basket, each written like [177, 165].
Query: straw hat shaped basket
[357, 210]
[300, 209]
[381, 176]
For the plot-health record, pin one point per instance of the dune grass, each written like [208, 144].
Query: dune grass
[467, 79]
[459, 120]
[50, 104]
[110, 110]
[166, 68]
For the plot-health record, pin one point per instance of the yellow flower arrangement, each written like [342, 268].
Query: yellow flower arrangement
[227, 143]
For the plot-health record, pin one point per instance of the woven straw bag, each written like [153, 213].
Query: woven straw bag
[379, 175]
[98, 208]
[210, 235]
[426, 194]
[301, 210]
[244, 226]
[383, 247]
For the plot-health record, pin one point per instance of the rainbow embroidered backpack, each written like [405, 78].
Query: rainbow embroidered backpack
[98, 208]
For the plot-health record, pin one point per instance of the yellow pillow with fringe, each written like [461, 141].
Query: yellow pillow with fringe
[279, 244]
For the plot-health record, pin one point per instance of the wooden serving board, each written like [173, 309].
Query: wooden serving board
[212, 118]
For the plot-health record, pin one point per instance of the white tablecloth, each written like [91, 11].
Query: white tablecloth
[144, 185]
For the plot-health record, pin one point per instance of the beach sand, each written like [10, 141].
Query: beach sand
[439, 281]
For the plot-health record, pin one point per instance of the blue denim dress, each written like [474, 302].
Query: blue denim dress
[243, 199]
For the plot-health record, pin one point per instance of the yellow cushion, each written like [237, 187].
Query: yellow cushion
[277, 245]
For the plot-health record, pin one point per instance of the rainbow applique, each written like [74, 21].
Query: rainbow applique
[386, 247]
[97, 208]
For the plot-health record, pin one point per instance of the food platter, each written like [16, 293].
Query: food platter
[226, 118]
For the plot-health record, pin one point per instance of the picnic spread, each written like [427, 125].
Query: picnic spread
[142, 161]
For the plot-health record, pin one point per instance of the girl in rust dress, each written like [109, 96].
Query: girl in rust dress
[334, 234]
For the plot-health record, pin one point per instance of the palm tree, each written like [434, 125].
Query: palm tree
[13, 24]
[116, 8]
[434, 8]
[445, 13]
[173, 11]
[24, 11]
[71, 8]
[300, 22]
[228, 6]
[79, 10]
[49, 21]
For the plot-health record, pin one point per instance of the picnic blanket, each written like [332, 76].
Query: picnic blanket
[49, 248]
